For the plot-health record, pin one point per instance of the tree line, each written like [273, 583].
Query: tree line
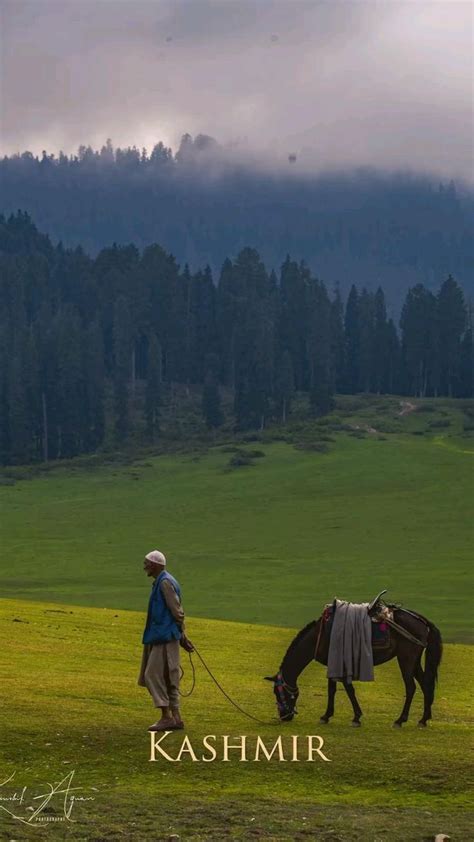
[76, 331]
[202, 203]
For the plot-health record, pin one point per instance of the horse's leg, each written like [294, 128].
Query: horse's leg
[420, 677]
[332, 687]
[407, 669]
[349, 688]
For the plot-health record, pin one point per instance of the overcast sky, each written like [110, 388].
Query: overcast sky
[382, 83]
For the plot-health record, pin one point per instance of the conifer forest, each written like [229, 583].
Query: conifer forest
[79, 335]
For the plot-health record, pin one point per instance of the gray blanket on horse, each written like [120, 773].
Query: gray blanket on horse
[350, 655]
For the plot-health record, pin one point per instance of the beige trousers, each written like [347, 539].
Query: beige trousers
[160, 673]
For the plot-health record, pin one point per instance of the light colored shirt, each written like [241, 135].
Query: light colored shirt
[172, 601]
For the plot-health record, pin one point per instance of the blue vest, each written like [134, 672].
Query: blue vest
[161, 627]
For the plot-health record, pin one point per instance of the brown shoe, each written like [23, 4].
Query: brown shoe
[167, 724]
[178, 724]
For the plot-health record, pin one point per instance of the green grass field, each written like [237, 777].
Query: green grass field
[267, 543]
[71, 703]
[362, 500]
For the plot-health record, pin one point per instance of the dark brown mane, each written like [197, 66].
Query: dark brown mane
[298, 638]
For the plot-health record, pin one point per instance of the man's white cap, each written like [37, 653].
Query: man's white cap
[156, 557]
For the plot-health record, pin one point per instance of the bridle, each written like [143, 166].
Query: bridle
[286, 709]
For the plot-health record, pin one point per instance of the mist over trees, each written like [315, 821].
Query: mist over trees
[202, 204]
[79, 336]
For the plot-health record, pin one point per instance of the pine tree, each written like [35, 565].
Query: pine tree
[284, 385]
[451, 323]
[254, 371]
[321, 399]
[189, 338]
[366, 340]
[380, 345]
[229, 305]
[292, 319]
[202, 328]
[5, 450]
[18, 425]
[318, 344]
[417, 322]
[352, 378]
[153, 388]
[122, 344]
[70, 387]
[254, 341]
[393, 373]
[167, 310]
[31, 381]
[466, 364]
[337, 364]
[93, 362]
[47, 345]
[211, 399]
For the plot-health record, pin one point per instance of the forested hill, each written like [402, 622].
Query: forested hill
[363, 228]
[81, 338]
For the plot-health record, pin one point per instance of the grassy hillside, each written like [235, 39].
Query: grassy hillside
[361, 500]
[71, 703]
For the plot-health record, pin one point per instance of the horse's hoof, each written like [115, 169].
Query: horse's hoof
[397, 725]
[324, 721]
[355, 723]
[422, 724]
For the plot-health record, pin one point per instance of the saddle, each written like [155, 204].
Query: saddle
[382, 617]
[376, 604]
[380, 614]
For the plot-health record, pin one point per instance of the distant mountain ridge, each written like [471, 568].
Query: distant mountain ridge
[361, 227]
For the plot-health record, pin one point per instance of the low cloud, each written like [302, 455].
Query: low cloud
[387, 84]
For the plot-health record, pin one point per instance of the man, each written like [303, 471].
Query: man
[160, 669]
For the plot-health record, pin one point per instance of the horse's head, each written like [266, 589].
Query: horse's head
[285, 695]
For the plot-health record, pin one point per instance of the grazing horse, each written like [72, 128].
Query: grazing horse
[312, 643]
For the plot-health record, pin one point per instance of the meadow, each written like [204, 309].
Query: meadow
[71, 703]
[261, 531]
[268, 542]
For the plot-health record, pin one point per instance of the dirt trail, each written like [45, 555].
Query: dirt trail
[371, 430]
[407, 407]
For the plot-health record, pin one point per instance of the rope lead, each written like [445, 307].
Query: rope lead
[249, 715]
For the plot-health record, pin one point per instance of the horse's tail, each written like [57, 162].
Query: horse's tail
[433, 654]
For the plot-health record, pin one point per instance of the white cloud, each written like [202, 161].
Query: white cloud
[351, 83]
